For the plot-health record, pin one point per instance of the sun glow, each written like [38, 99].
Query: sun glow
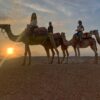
[10, 51]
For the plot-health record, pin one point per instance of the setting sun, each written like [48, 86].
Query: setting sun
[10, 51]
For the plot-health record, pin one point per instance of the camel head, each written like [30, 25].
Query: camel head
[63, 35]
[5, 27]
[94, 32]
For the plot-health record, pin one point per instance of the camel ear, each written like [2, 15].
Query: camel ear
[91, 31]
[96, 30]
[63, 33]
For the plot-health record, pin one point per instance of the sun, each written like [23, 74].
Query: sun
[10, 51]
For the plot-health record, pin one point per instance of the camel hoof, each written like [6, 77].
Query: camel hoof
[59, 62]
[50, 62]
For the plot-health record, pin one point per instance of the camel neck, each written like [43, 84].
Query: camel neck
[11, 35]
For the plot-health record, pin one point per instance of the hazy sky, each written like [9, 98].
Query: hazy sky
[63, 13]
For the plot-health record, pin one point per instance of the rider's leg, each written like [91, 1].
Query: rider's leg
[54, 45]
[80, 36]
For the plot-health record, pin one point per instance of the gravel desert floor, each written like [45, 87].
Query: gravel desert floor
[43, 81]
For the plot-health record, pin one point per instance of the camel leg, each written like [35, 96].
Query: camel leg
[63, 55]
[94, 48]
[96, 58]
[78, 51]
[78, 54]
[57, 55]
[25, 55]
[53, 54]
[29, 53]
[48, 54]
[75, 51]
[67, 55]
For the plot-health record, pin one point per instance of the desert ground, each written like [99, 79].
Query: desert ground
[42, 81]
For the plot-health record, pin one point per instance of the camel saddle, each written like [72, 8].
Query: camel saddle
[37, 31]
[57, 36]
[85, 35]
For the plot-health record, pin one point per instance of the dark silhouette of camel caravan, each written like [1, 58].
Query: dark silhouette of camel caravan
[39, 37]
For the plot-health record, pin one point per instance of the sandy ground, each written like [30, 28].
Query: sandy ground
[42, 81]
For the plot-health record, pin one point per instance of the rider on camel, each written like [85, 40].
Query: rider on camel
[51, 37]
[30, 27]
[80, 29]
[33, 23]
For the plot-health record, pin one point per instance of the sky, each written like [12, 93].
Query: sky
[64, 15]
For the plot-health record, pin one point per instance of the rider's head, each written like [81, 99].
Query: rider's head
[33, 16]
[80, 22]
[50, 23]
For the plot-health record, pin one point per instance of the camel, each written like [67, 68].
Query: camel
[38, 39]
[87, 41]
[64, 47]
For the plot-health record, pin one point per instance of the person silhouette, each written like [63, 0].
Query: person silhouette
[29, 30]
[51, 37]
[80, 29]
[33, 24]
[33, 21]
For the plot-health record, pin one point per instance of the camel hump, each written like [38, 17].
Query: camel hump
[40, 31]
[57, 35]
[85, 35]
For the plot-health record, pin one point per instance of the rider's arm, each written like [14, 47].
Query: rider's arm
[82, 28]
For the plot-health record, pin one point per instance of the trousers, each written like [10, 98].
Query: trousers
[51, 37]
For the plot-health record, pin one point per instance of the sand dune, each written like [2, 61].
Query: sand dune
[43, 81]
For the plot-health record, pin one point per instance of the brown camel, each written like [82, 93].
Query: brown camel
[64, 47]
[87, 40]
[40, 37]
